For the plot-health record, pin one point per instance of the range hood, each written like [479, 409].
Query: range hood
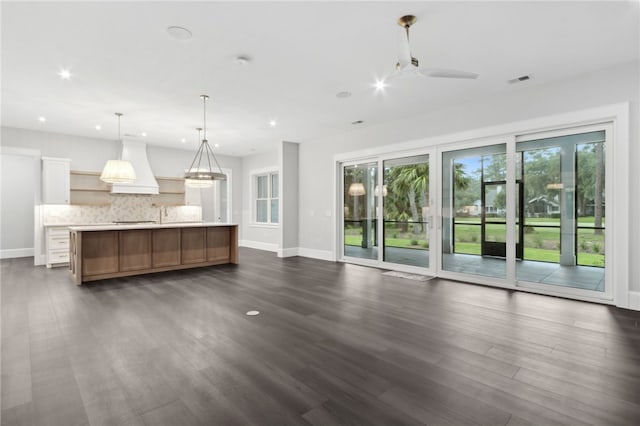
[145, 183]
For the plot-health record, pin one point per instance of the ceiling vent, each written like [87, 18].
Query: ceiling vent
[520, 79]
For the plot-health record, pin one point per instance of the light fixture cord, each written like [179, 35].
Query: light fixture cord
[202, 140]
[408, 42]
[204, 120]
[119, 114]
[208, 148]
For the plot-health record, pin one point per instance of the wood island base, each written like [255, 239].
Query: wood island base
[101, 252]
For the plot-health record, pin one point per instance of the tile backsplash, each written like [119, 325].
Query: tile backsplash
[123, 207]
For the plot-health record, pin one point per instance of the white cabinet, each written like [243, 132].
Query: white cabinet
[56, 180]
[57, 243]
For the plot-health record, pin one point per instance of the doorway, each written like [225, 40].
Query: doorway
[387, 217]
[494, 219]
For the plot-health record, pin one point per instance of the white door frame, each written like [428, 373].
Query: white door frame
[433, 202]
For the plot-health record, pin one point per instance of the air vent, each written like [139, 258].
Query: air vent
[520, 79]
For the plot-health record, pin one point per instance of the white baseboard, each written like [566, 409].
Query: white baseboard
[316, 254]
[634, 300]
[289, 252]
[258, 245]
[13, 253]
[39, 259]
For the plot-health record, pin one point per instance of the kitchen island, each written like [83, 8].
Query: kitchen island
[108, 251]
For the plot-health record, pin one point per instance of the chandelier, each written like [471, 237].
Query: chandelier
[201, 174]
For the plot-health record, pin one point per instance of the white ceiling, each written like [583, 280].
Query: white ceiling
[302, 54]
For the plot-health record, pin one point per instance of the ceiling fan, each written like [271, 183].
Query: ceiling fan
[409, 65]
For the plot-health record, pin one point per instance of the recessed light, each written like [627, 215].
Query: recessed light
[98, 127]
[144, 134]
[179, 33]
[253, 313]
[380, 85]
[65, 74]
[357, 122]
[183, 140]
[273, 123]
[242, 60]
[216, 145]
[343, 95]
[42, 119]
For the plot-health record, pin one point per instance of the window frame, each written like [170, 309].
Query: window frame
[269, 174]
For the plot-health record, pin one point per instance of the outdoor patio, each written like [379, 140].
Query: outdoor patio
[582, 277]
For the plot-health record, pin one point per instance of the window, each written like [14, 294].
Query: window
[266, 198]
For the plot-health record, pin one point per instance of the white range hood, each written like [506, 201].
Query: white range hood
[145, 183]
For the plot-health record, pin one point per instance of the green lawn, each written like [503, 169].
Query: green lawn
[540, 244]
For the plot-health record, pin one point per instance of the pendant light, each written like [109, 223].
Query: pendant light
[118, 171]
[201, 175]
[356, 189]
[195, 183]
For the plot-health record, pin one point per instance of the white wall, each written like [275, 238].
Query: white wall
[19, 180]
[86, 153]
[608, 86]
[266, 237]
[90, 154]
[289, 211]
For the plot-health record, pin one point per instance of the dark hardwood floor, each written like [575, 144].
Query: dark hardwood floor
[333, 344]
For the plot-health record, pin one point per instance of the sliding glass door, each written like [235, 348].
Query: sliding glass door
[407, 219]
[387, 217]
[519, 211]
[554, 186]
[360, 200]
[474, 200]
[564, 181]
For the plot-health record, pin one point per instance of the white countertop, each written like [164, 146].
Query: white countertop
[66, 225]
[119, 227]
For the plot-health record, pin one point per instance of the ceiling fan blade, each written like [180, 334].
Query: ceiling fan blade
[446, 73]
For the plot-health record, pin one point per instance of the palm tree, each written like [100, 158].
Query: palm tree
[412, 180]
[409, 181]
